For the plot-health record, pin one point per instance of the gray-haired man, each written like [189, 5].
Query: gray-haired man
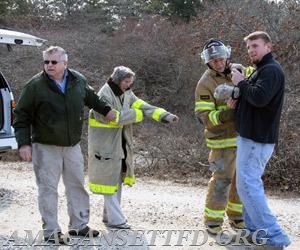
[48, 126]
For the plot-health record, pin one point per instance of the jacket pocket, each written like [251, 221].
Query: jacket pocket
[102, 157]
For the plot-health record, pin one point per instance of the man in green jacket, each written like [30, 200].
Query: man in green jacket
[48, 126]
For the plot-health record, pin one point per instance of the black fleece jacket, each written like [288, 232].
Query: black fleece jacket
[259, 107]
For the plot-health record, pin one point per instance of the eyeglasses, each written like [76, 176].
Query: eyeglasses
[52, 62]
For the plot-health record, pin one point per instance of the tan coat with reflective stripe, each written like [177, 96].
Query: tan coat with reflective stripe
[105, 152]
[218, 134]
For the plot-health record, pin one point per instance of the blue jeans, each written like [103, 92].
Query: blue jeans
[251, 161]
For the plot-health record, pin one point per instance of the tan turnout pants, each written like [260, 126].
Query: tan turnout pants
[222, 197]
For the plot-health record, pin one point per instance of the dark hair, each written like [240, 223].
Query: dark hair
[258, 35]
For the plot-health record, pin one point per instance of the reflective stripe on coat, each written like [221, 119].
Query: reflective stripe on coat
[105, 152]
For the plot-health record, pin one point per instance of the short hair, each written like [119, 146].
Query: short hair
[120, 73]
[258, 35]
[56, 49]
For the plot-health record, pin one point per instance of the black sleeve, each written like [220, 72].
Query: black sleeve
[261, 91]
[93, 101]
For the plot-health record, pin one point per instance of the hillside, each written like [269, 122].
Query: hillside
[164, 53]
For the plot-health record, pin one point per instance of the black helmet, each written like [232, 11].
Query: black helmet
[213, 49]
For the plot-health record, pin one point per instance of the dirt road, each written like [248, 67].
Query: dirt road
[149, 205]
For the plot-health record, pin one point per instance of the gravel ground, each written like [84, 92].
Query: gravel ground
[150, 205]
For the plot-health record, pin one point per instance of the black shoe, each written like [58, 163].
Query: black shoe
[60, 239]
[121, 226]
[84, 232]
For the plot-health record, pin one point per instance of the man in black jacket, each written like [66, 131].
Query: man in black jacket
[258, 113]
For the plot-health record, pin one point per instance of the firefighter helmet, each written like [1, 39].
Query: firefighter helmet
[213, 49]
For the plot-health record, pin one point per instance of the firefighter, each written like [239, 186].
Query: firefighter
[220, 134]
[110, 160]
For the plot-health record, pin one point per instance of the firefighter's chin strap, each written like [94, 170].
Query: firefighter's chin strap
[226, 71]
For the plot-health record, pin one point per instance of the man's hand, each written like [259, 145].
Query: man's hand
[231, 103]
[25, 153]
[111, 115]
[237, 76]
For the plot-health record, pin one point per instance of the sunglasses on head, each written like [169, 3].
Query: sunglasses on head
[52, 62]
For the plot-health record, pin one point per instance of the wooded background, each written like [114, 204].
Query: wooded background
[161, 40]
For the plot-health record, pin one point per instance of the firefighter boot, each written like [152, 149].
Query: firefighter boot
[237, 224]
[213, 229]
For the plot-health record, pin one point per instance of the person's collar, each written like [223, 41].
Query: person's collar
[227, 71]
[114, 87]
[218, 74]
[63, 78]
[265, 58]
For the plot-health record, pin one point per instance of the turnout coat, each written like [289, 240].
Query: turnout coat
[107, 140]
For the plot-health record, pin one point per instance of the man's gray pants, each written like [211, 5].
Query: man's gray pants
[50, 162]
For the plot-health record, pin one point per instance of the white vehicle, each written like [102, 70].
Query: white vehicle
[7, 103]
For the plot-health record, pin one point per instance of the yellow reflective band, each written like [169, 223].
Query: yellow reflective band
[216, 214]
[138, 115]
[157, 113]
[222, 107]
[129, 180]
[137, 104]
[117, 117]
[221, 143]
[248, 71]
[95, 123]
[103, 189]
[204, 106]
[213, 117]
[236, 207]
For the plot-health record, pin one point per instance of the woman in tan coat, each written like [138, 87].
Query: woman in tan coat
[111, 143]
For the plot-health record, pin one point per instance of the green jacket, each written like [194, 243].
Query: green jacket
[45, 115]
[105, 139]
